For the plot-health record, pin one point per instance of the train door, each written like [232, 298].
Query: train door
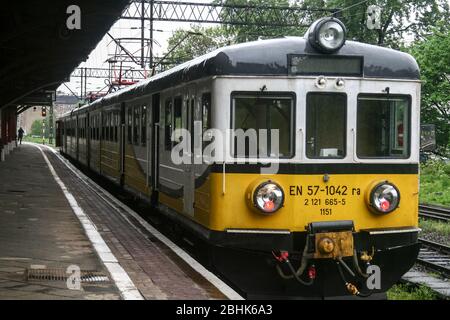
[188, 167]
[77, 135]
[153, 145]
[122, 142]
[87, 133]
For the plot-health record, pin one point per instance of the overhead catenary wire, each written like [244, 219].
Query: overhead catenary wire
[351, 6]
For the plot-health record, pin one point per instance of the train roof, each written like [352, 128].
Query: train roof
[268, 57]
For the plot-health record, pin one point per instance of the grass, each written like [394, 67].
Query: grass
[408, 292]
[435, 183]
[37, 140]
[431, 226]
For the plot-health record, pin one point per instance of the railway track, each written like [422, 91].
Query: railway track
[434, 212]
[435, 256]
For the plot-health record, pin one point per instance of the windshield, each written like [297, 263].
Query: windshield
[383, 126]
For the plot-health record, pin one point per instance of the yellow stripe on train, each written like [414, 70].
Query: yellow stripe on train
[307, 199]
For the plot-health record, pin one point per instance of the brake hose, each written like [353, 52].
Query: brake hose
[350, 286]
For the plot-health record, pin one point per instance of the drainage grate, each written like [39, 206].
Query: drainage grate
[86, 276]
[16, 191]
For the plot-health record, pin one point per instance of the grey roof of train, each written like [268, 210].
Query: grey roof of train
[267, 57]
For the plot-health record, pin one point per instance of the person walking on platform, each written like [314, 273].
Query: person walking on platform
[21, 132]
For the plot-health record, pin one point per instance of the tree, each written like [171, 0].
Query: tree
[185, 45]
[433, 57]
[245, 33]
[398, 18]
[36, 128]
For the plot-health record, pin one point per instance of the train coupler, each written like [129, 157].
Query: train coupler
[331, 239]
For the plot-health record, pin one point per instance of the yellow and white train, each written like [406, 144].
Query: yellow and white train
[339, 215]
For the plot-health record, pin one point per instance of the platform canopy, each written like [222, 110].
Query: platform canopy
[37, 50]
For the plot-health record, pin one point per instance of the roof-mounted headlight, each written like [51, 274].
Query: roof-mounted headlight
[327, 35]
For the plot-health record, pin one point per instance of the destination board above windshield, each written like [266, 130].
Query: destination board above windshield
[300, 64]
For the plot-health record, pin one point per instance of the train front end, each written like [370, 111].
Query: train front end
[315, 194]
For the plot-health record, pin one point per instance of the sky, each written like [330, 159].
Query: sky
[125, 28]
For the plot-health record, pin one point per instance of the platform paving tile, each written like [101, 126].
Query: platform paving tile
[155, 270]
[38, 228]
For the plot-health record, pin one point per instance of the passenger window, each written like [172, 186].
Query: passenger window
[206, 111]
[168, 123]
[129, 125]
[326, 115]
[111, 126]
[107, 117]
[263, 116]
[136, 122]
[206, 115]
[144, 125]
[116, 126]
[177, 116]
[97, 130]
[383, 126]
[103, 137]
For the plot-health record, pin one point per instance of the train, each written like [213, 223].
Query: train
[294, 159]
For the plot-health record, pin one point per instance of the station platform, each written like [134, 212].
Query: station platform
[53, 219]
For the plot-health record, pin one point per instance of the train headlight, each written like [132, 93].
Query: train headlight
[327, 35]
[268, 197]
[384, 198]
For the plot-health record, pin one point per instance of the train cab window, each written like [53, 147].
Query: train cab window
[136, 122]
[383, 126]
[144, 125]
[254, 113]
[326, 115]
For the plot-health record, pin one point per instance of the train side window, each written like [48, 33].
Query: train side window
[383, 126]
[111, 126]
[206, 111]
[105, 124]
[129, 124]
[102, 136]
[177, 116]
[116, 127]
[206, 114]
[144, 125]
[326, 122]
[97, 127]
[167, 123]
[106, 137]
[270, 116]
[136, 123]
